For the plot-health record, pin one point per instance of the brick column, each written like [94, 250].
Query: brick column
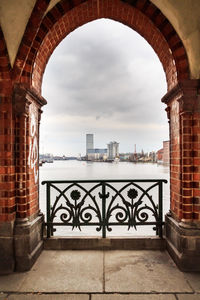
[7, 176]
[28, 225]
[183, 221]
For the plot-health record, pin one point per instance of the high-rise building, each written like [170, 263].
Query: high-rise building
[89, 142]
[113, 150]
[97, 154]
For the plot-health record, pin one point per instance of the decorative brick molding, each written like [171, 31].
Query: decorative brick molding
[27, 107]
[184, 114]
[40, 41]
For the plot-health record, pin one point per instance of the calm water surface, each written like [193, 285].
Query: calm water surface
[69, 170]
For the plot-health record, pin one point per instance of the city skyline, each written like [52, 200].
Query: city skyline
[106, 79]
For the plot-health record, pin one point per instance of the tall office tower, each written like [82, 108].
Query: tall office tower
[113, 150]
[89, 142]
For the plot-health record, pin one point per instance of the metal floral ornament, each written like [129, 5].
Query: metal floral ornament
[75, 195]
[132, 194]
[105, 204]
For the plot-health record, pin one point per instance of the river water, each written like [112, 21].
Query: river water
[81, 170]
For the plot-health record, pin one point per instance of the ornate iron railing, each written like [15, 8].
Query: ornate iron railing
[104, 204]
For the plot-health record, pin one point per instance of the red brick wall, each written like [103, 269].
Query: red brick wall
[27, 106]
[7, 166]
[196, 161]
[184, 115]
[149, 22]
[42, 35]
[18, 188]
[175, 168]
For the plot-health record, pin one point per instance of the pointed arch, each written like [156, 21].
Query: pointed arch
[142, 16]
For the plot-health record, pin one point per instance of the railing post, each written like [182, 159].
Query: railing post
[160, 201]
[103, 210]
[48, 210]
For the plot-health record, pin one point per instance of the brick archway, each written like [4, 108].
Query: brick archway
[7, 185]
[66, 16]
[21, 103]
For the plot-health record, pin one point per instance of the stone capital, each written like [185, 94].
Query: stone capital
[23, 96]
[187, 93]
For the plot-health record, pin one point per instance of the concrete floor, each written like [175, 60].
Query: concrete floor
[102, 275]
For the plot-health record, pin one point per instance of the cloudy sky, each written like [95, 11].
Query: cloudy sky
[104, 79]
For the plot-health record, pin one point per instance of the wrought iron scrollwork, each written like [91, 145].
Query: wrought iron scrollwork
[104, 204]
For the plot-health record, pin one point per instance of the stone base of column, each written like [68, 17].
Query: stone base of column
[7, 262]
[28, 242]
[183, 244]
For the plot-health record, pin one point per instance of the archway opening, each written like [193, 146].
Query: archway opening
[106, 80]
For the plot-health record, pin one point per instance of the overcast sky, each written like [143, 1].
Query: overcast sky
[105, 79]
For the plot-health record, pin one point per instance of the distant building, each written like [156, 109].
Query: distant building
[125, 156]
[97, 154]
[159, 155]
[152, 156]
[163, 154]
[166, 152]
[113, 150]
[48, 157]
[89, 142]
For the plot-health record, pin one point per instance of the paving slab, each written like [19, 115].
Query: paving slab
[194, 280]
[12, 282]
[188, 297]
[143, 271]
[133, 297]
[48, 297]
[66, 271]
[3, 296]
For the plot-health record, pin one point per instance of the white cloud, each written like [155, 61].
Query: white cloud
[104, 79]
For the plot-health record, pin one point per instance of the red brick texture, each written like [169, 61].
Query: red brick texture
[184, 115]
[27, 106]
[7, 166]
[20, 99]
[142, 16]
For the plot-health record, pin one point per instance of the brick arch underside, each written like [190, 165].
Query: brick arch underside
[7, 169]
[141, 16]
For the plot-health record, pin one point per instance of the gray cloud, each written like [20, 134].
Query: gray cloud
[103, 78]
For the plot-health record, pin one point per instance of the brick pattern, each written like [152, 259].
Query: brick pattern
[175, 161]
[43, 35]
[196, 162]
[27, 114]
[7, 168]
[184, 115]
[22, 67]
[18, 187]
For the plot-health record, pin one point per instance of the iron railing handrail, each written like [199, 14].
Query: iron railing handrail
[129, 212]
[104, 180]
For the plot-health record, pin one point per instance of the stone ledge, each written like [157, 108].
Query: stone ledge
[6, 229]
[6, 255]
[24, 263]
[94, 243]
[28, 243]
[28, 226]
[183, 244]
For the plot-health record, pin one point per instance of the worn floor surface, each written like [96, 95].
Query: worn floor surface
[102, 275]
